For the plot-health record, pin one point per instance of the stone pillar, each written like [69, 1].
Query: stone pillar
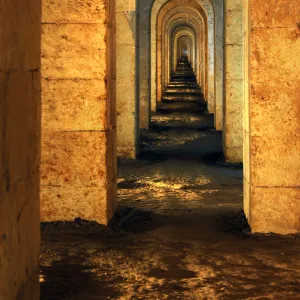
[234, 82]
[219, 63]
[127, 88]
[272, 131]
[144, 9]
[159, 66]
[20, 113]
[78, 171]
[211, 43]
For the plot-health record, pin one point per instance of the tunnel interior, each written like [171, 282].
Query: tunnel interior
[149, 149]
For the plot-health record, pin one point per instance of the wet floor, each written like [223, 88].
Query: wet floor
[184, 237]
[179, 233]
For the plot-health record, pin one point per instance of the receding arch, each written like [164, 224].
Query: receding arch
[189, 18]
[206, 9]
[167, 45]
[180, 16]
[191, 21]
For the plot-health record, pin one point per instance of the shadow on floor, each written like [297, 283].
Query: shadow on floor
[65, 279]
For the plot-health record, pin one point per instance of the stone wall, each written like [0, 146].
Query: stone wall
[20, 148]
[78, 170]
[273, 135]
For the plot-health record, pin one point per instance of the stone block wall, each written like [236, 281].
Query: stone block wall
[78, 169]
[272, 135]
[20, 148]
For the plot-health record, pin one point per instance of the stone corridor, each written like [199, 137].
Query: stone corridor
[180, 233]
[149, 149]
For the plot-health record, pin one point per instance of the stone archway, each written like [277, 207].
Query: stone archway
[157, 10]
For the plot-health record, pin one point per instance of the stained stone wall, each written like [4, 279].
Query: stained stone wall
[19, 148]
[272, 137]
[78, 170]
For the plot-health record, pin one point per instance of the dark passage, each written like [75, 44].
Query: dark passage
[179, 232]
[183, 94]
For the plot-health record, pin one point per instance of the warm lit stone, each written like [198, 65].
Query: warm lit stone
[78, 121]
[272, 138]
[234, 84]
[80, 107]
[127, 91]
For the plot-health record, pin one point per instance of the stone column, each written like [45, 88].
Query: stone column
[234, 78]
[78, 171]
[272, 129]
[20, 119]
[159, 66]
[127, 88]
[219, 63]
[144, 9]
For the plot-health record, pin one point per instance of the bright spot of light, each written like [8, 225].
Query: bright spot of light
[42, 278]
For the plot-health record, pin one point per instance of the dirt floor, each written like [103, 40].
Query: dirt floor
[179, 234]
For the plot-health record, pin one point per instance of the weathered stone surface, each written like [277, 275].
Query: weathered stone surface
[79, 114]
[81, 104]
[126, 61]
[74, 51]
[273, 163]
[219, 57]
[275, 101]
[233, 129]
[144, 14]
[19, 149]
[273, 109]
[276, 14]
[126, 28]
[127, 83]
[68, 202]
[125, 5]
[234, 84]
[275, 210]
[74, 158]
[74, 11]
[269, 56]
[234, 64]
[234, 26]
